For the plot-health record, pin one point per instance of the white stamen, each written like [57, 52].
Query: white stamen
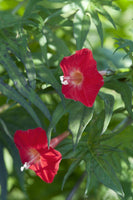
[28, 164]
[25, 166]
[64, 82]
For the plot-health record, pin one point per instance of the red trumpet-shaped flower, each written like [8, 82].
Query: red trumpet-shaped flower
[35, 154]
[81, 80]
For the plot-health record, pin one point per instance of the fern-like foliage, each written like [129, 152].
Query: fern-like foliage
[126, 45]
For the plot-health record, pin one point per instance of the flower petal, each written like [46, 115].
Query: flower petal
[82, 59]
[30, 139]
[48, 166]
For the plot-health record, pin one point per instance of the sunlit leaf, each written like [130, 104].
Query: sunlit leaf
[26, 58]
[79, 117]
[103, 12]
[43, 45]
[109, 103]
[98, 25]
[81, 27]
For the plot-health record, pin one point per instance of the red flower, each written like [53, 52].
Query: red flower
[35, 154]
[81, 80]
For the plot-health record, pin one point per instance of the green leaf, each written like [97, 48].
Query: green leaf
[69, 9]
[3, 175]
[9, 144]
[126, 45]
[31, 5]
[96, 126]
[109, 103]
[57, 114]
[11, 93]
[26, 58]
[7, 19]
[76, 124]
[24, 55]
[52, 17]
[70, 170]
[103, 12]
[49, 4]
[60, 110]
[59, 44]
[124, 138]
[46, 75]
[5, 128]
[79, 117]
[43, 45]
[66, 149]
[81, 27]
[91, 178]
[106, 175]
[21, 84]
[98, 25]
[124, 91]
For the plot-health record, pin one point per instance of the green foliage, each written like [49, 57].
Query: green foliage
[108, 176]
[3, 175]
[81, 24]
[126, 45]
[77, 124]
[35, 35]
[109, 103]
[126, 94]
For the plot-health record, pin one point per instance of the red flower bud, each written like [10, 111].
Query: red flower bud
[55, 141]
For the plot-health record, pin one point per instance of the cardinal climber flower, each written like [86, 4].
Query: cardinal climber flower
[81, 80]
[35, 154]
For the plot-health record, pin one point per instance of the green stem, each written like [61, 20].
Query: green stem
[122, 70]
[109, 72]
